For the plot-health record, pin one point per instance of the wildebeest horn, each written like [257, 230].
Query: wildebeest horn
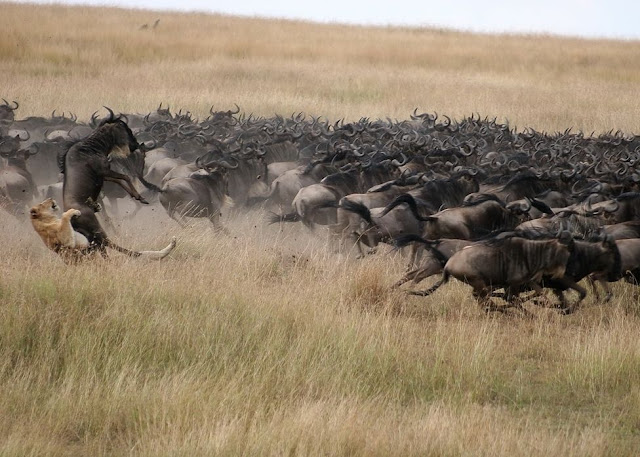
[397, 163]
[149, 145]
[611, 207]
[513, 165]
[94, 119]
[226, 164]
[469, 147]
[587, 205]
[7, 103]
[111, 114]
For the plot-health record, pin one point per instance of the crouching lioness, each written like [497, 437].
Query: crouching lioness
[57, 232]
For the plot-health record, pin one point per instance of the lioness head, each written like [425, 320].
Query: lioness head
[46, 208]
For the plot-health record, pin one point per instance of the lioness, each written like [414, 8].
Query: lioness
[57, 232]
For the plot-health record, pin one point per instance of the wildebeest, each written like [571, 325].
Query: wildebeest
[472, 221]
[17, 188]
[508, 262]
[7, 112]
[316, 204]
[433, 260]
[628, 267]
[623, 230]
[201, 194]
[393, 219]
[525, 184]
[86, 168]
[598, 256]
[133, 167]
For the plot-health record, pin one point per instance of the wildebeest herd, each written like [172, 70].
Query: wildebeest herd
[508, 212]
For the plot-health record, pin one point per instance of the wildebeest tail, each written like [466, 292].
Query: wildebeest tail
[541, 206]
[152, 187]
[357, 208]
[161, 254]
[409, 200]
[432, 289]
[274, 218]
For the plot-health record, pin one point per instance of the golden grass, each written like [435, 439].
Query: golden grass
[265, 342]
[81, 58]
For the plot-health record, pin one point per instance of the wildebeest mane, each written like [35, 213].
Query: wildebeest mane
[103, 139]
[62, 154]
[527, 181]
[340, 178]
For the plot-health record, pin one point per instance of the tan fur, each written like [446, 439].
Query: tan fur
[120, 151]
[57, 232]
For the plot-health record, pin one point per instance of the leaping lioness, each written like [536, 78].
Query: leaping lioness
[86, 167]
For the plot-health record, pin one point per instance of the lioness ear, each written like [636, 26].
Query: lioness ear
[34, 213]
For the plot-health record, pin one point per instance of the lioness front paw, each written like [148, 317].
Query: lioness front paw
[76, 213]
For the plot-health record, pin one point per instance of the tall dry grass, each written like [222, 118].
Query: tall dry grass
[81, 58]
[265, 342]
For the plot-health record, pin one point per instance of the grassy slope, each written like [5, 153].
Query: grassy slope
[264, 342]
[79, 59]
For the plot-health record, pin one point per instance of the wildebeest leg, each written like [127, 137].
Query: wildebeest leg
[593, 282]
[357, 241]
[415, 255]
[214, 217]
[125, 182]
[513, 296]
[431, 268]
[567, 283]
[483, 297]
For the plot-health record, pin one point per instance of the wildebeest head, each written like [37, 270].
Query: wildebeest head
[9, 145]
[123, 140]
[6, 111]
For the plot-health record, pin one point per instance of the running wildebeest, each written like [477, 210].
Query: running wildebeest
[86, 168]
[511, 262]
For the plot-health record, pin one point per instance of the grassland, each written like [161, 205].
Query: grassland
[265, 342]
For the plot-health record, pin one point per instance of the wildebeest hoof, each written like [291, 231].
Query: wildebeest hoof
[94, 205]
[566, 311]
[143, 201]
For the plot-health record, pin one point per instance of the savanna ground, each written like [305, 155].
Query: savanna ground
[264, 342]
